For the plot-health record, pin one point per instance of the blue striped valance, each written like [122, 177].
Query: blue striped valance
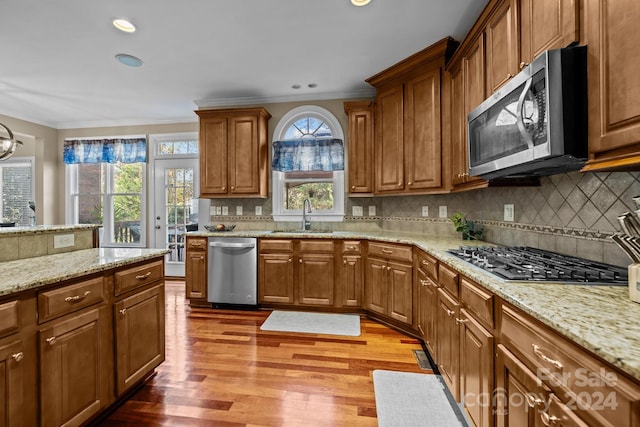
[111, 150]
[308, 155]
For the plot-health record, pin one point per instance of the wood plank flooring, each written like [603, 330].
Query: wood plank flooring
[222, 370]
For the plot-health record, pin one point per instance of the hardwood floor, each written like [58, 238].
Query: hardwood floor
[222, 370]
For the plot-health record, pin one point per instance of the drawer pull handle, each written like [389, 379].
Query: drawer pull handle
[424, 262]
[51, 340]
[547, 419]
[423, 282]
[534, 401]
[123, 311]
[387, 251]
[18, 356]
[541, 355]
[143, 276]
[77, 297]
[461, 321]
[351, 248]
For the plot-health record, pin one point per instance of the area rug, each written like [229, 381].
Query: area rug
[313, 323]
[407, 399]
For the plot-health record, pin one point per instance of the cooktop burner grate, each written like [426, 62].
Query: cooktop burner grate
[523, 263]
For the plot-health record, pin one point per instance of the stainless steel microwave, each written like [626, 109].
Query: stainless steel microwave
[536, 124]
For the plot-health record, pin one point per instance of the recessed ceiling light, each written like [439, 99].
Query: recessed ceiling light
[129, 60]
[124, 25]
[295, 86]
[312, 85]
[360, 2]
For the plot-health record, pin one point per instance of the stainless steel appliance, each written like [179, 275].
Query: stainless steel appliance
[536, 124]
[531, 264]
[232, 271]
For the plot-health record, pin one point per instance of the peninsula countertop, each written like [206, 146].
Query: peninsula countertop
[602, 319]
[31, 273]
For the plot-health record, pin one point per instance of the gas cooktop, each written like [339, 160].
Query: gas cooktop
[530, 264]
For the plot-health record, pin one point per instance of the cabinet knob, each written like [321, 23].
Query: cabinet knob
[388, 268]
[509, 75]
[224, 188]
[18, 356]
[533, 401]
[289, 260]
[523, 64]
[449, 312]
[461, 321]
[344, 262]
[300, 260]
[547, 419]
[410, 183]
[51, 340]
[353, 188]
[233, 188]
[123, 311]
[400, 184]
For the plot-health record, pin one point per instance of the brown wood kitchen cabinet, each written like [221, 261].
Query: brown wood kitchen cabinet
[275, 271]
[12, 367]
[426, 270]
[351, 275]
[613, 84]
[233, 152]
[501, 45]
[361, 130]
[408, 142]
[389, 281]
[195, 268]
[316, 272]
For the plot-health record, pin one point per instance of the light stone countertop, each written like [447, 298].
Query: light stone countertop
[39, 229]
[602, 319]
[31, 273]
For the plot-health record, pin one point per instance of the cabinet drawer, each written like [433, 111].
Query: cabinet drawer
[448, 279]
[9, 318]
[596, 392]
[61, 301]
[398, 252]
[428, 264]
[351, 247]
[316, 246]
[135, 277]
[196, 244]
[276, 245]
[478, 301]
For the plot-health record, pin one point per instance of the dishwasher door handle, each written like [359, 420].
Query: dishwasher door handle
[228, 245]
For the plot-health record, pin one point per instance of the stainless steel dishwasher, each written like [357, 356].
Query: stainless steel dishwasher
[232, 271]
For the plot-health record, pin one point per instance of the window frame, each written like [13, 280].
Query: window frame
[278, 178]
[29, 162]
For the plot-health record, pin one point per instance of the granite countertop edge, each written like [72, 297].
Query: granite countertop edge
[598, 318]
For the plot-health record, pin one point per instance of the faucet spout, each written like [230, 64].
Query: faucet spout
[306, 208]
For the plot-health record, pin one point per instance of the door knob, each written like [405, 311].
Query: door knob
[158, 217]
[157, 227]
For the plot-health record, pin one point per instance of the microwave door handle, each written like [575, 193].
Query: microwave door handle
[519, 119]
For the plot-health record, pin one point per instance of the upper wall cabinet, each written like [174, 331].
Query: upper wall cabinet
[360, 145]
[614, 86]
[234, 153]
[408, 123]
[501, 45]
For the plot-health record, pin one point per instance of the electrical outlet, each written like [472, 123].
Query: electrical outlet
[509, 212]
[218, 210]
[225, 210]
[63, 241]
[425, 211]
[258, 210]
[442, 211]
[372, 211]
[357, 211]
[212, 210]
[238, 210]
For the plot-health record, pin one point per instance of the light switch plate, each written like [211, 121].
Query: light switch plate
[425, 211]
[258, 210]
[509, 212]
[225, 210]
[212, 210]
[372, 211]
[357, 211]
[63, 241]
[218, 210]
[442, 211]
[238, 210]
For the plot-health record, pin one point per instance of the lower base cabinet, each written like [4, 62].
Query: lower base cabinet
[139, 336]
[11, 378]
[74, 379]
[448, 356]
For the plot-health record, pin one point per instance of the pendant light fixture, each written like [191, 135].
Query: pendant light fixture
[8, 144]
[360, 2]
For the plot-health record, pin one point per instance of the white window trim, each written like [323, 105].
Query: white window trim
[337, 213]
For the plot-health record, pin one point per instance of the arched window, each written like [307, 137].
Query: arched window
[308, 163]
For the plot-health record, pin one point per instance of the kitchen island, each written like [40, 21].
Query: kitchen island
[78, 331]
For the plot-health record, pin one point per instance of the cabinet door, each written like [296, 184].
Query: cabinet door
[459, 167]
[448, 341]
[375, 293]
[389, 145]
[476, 370]
[74, 374]
[139, 336]
[560, 415]
[196, 274]
[519, 397]
[244, 163]
[351, 278]
[547, 24]
[474, 76]
[360, 146]
[316, 279]
[213, 156]
[614, 86]
[400, 291]
[275, 278]
[11, 391]
[422, 131]
[502, 46]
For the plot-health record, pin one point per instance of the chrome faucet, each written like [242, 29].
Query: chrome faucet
[306, 204]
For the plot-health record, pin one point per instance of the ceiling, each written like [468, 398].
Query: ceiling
[59, 67]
